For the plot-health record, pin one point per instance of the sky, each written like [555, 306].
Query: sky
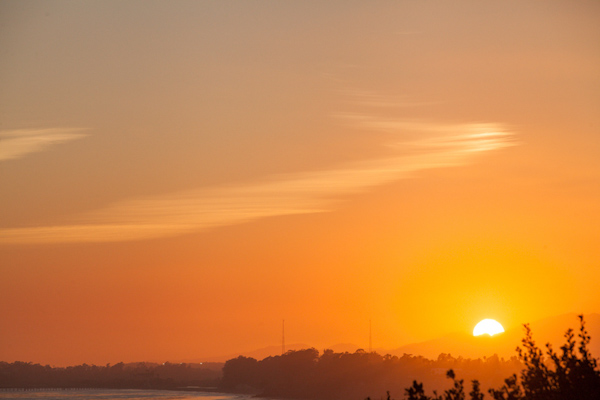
[178, 178]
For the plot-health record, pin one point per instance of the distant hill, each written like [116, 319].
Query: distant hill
[343, 348]
[545, 330]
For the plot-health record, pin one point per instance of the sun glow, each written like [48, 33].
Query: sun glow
[489, 326]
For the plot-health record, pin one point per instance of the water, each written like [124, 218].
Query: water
[118, 394]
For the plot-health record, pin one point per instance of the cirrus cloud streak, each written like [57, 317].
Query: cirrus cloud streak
[435, 146]
[18, 143]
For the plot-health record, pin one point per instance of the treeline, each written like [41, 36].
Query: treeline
[118, 376]
[306, 374]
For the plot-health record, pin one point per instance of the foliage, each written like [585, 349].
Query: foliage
[306, 374]
[571, 374]
[509, 391]
[456, 392]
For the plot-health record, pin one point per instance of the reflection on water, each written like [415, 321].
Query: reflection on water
[113, 394]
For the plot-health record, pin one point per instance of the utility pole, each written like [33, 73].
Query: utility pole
[283, 337]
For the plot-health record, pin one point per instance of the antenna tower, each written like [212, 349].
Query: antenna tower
[370, 338]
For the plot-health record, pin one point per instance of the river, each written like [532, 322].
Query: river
[116, 394]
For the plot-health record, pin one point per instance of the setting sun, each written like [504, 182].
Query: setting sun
[489, 326]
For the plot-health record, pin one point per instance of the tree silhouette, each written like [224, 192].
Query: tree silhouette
[571, 374]
[416, 392]
[509, 391]
[476, 392]
[574, 375]
[457, 392]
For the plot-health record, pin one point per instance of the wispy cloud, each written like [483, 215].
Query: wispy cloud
[372, 99]
[432, 146]
[17, 143]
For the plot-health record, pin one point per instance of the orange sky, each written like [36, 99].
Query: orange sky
[177, 178]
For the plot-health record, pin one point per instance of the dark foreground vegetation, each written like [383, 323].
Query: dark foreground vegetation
[118, 376]
[571, 374]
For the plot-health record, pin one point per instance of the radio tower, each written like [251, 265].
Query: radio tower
[283, 337]
[370, 338]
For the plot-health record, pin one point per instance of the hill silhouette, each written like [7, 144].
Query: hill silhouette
[547, 330]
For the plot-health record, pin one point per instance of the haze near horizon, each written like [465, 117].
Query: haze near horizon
[178, 178]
